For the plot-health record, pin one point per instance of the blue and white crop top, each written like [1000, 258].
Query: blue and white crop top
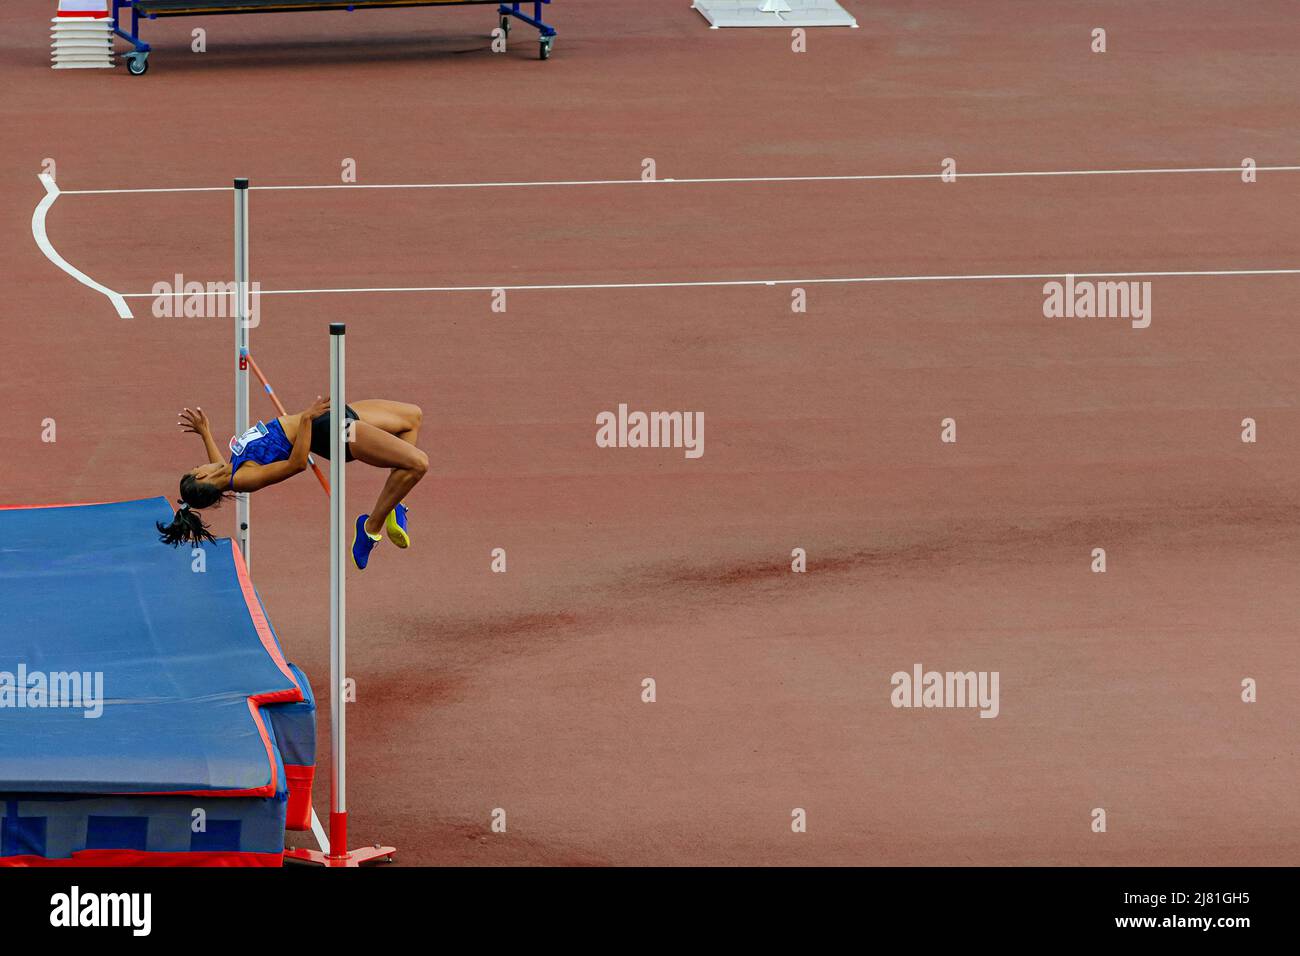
[262, 443]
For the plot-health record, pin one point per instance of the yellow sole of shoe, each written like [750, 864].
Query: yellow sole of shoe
[395, 533]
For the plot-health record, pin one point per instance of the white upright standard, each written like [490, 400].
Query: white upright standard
[338, 591]
[338, 853]
[242, 319]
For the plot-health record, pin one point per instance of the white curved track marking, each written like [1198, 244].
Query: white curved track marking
[43, 241]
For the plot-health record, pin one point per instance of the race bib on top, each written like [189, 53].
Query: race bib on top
[237, 445]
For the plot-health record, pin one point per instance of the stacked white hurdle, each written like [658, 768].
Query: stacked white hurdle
[82, 34]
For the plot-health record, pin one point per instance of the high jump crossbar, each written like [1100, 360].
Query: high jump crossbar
[333, 851]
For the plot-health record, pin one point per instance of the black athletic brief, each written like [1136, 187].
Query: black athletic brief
[320, 435]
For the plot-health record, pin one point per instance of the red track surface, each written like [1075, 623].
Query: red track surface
[521, 690]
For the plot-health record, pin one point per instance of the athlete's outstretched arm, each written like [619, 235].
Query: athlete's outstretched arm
[196, 423]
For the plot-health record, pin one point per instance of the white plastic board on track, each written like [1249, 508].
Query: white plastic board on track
[774, 13]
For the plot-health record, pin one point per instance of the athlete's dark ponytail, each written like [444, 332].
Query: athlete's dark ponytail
[186, 524]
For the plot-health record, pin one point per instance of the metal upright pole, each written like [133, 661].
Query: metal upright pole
[338, 853]
[338, 603]
[241, 353]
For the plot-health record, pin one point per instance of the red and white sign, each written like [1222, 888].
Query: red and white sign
[83, 8]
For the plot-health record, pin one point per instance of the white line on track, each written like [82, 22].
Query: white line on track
[826, 280]
[118, 299]
[43, 241]
[708, 180]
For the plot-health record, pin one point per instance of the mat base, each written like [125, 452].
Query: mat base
[369, 854]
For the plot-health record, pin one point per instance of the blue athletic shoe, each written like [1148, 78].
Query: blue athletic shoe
[395, 524]
[362, 544]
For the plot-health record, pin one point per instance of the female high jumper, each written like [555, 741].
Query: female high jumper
[384, 436]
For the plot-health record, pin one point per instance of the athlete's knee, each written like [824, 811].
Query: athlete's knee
[417, 415]
[419, 465]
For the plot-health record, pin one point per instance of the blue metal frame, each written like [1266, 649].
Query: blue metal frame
[506, 9]
[512, 9]
[133, 37]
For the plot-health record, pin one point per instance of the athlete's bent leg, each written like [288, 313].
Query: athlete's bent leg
[397, 418]
[374, 446]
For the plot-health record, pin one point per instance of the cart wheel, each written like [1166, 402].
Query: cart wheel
[505, 25]
[137, 64]
[546, 47]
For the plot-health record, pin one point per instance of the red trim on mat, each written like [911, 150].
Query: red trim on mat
[145, 858]
[297, 813]
[70, 504]
[266, 740]
[260, 623]
[266, 790]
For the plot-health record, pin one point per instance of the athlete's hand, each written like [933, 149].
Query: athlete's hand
[194, 422]
[316, 409]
